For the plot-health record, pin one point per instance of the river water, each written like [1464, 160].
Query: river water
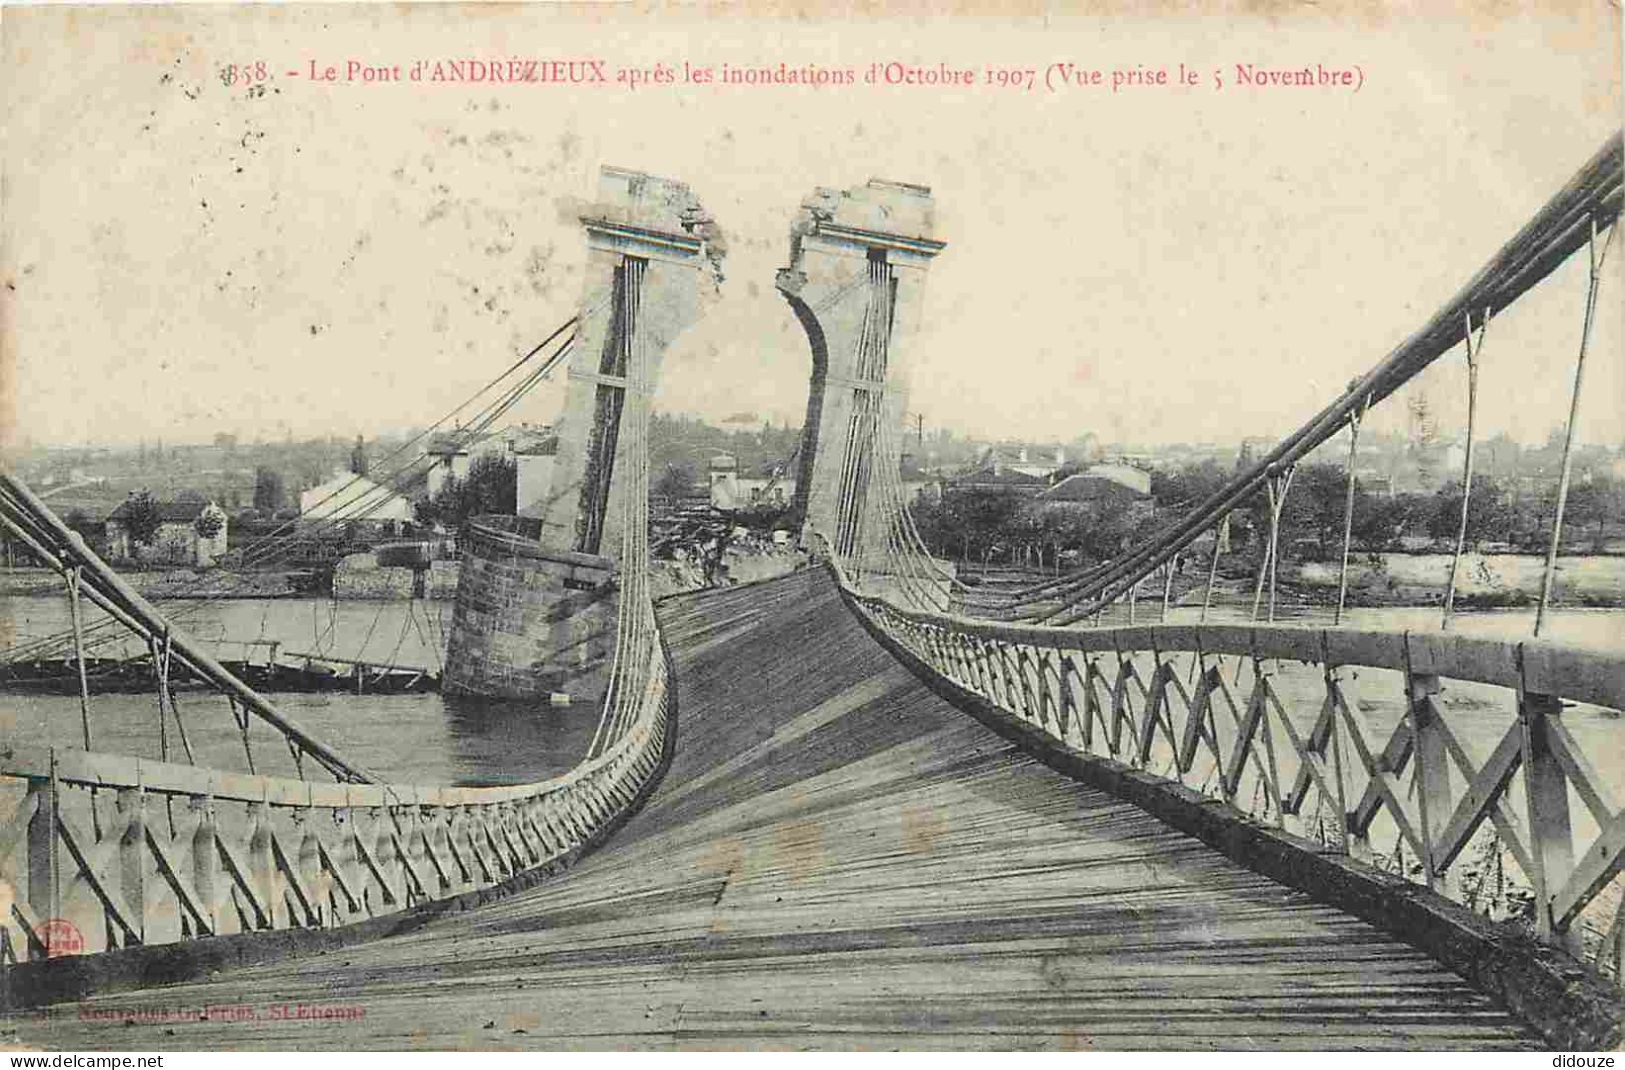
[433, 739]
[421, 738]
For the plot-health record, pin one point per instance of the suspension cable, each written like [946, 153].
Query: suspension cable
[1593, 195]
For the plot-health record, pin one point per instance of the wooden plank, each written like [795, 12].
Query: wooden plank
[898, 878]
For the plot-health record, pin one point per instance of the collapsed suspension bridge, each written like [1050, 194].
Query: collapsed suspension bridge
[1248, 833]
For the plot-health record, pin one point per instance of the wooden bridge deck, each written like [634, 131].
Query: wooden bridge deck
[838, 859]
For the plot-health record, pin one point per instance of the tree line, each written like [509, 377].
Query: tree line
[985, 525]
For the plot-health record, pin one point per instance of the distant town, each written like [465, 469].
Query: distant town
[1034, 504]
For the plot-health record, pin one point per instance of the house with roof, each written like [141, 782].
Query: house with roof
[180, 538]
[534, 452]
[917, 481]
[1002, 481]
[450, 455]
[1102, 489]
[448, 459]
[532, 448]
[771, 484]
[1039, 461]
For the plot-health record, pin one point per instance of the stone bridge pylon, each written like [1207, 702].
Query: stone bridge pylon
[536, 598]
[858, 261]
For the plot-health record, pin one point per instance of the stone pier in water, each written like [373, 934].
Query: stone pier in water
[536, 602]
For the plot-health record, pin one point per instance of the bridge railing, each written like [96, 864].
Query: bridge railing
[1487, 770]
[104, 851]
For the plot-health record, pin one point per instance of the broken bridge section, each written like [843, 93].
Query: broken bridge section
[537, 597]
[838, 858]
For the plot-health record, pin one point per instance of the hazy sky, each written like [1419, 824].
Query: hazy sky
[1154, 265]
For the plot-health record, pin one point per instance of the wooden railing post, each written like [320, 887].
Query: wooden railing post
[391, 867]
[261, 866]
[308, 864]
[1091, 702]
[44, 875]
[1340, 775]
[206, 860]
[132, 857]
[1261, 696]
[346, 862]
[1547, 792]
[1431, 771]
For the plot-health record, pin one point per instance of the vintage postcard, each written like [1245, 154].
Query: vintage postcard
[788, 526]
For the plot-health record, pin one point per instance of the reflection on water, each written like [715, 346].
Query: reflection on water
[435, 739]
[1593, 628]
[423, 739]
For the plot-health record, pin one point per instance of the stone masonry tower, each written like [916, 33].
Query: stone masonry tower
[654, 258]
[536, 598]
[858, 260]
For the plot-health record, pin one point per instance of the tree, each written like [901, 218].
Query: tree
[358, 457]
[1057, 532]
[1487, 516]
[209, 522]
[142, 518]
[1592, 503]
[677, 481]
[1379, 522]
[491, 487]
[970, 524]
[1102, 535]
[268, 490]
[1184, 488]
[1314, 507]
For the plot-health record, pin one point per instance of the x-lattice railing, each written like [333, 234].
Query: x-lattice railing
[105, 851]
[1486, 770]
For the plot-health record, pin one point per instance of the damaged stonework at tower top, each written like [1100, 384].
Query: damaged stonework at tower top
[881, 212]
[655, 205]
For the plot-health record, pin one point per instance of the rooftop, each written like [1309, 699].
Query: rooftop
[171, 512]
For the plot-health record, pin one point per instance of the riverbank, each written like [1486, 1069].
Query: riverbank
[359, 578]
[166, 584]
[1483, 581]
[1388, 580]
[1375, 581]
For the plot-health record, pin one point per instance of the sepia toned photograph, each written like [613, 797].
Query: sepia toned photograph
[778, 527]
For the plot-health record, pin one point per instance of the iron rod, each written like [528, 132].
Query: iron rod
[139, 607]
[1348, 513]
[1574, 417]
[1467, 464]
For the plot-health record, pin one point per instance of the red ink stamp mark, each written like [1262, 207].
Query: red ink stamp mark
[61, 937]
